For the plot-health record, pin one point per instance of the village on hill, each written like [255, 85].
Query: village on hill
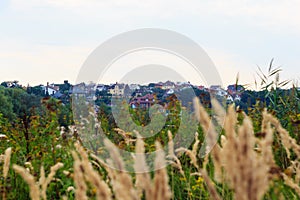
[141, 94]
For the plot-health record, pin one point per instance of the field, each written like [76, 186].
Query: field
[256, 156]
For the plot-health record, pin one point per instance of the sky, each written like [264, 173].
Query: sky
[49, 40]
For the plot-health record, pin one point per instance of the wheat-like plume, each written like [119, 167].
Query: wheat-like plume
[161, 181]
[175, 162]
[38, 189]
[211, 137]
[30, 180]
[6, 162]
[192, 154]
[121, 181]
[92, 176]
[143, 179]
[212, 190]
[244, 168]
[44, 182]
[6, 157]
[287, 141]
[80, 185]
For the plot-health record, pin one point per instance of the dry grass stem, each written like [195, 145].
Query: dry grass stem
[190, 154]
[80, 185]
[290, 182]
[29, 179]
[175, 162]
[92, 176]
[161, 181]
[244, 168]
[143, 179]
[287, 141]
[212, 190]
[7, 156]
[44, 182]
[38, 189]
[121, 181]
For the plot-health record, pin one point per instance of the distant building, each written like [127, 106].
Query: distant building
[165, 86]
[50, 89]
[11, 84]
[170, 91]
[58, 95]
[201, 87]
[229, 99]
[119, 89]
[183, 85]
[134, 87]
[142, 102]
[215, 87]
[138, 93]
[235, 89]
[168, 85]
[79, 90]
[217, 90]
[158, 85]
[237, 97]
[101, 87]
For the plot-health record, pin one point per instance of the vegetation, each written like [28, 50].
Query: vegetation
[257, 155]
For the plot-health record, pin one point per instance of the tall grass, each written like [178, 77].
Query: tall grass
[241, 165]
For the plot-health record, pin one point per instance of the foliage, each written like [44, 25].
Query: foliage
[40, 132]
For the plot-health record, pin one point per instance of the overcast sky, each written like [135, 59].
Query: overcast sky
[48, 40]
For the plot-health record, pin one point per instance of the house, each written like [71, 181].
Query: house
[101, 87]
[183, 85]
[201, 87]
[168, 85]
[79, 90]
[237, 97]
[138, 93]
[58, 95]
[170, 91]
[215, 87]
[119, 89]
[50, 89]
[11, 84]
[158, 85]
[235, 89]
[222, 92]
[165, 86]
[142, 102]
[134, 87]
[217, 90]
[229, 99]
[91, 87]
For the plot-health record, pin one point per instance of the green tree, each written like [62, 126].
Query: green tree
[6, 106]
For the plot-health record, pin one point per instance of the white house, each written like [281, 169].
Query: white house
[237, 98]
[101, 87]
[134, 87]
[229, 99]
[50, 89]
[168, 85]
[170, 91]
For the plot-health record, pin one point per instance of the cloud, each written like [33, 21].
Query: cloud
[238, 34]
[265, 14]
